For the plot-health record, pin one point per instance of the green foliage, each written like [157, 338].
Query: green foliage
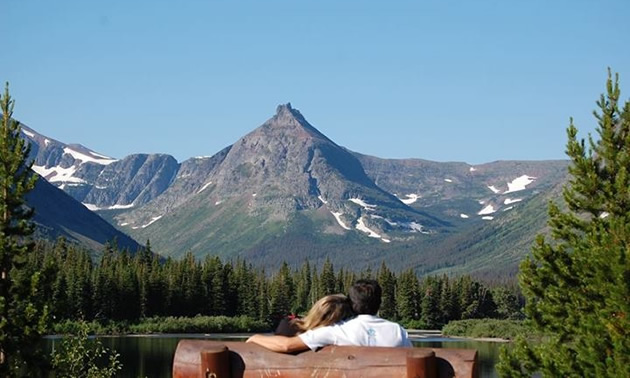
[199, 324]
[23, 314]
[577, 285]
[494, 328]
[78, 356]
[168, 324]
[414, 324]
[172, 291]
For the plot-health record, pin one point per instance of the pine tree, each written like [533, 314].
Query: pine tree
[388, 284]
[327, 281]
[430, 304]
[408, 296]
[282, 293]
[303, 289]
[23, 315]
[577, 286]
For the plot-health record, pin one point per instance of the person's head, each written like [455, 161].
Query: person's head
[326, 311]
[365, 296]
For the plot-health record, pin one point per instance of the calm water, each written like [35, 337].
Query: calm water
[152, 356]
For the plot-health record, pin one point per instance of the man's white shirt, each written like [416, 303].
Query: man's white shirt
[363, 330]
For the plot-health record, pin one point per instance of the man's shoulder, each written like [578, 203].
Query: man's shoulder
[373, 319]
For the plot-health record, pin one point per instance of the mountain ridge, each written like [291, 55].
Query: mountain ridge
[285, 180]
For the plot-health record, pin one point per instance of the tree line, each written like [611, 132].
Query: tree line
[120, 286]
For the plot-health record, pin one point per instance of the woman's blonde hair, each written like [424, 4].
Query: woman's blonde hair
[326, 311]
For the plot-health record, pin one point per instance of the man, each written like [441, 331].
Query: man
[366, 329]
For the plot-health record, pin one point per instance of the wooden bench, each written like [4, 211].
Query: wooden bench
[218, 359]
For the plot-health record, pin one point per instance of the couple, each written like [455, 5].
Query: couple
[324, 323]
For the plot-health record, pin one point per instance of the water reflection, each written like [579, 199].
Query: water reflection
[487, 351]
[152, 355]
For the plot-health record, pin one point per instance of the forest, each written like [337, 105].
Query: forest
[120, 286]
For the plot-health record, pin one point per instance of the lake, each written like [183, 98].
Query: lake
[152, 355]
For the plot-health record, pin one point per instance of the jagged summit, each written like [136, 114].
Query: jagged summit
[287, 118]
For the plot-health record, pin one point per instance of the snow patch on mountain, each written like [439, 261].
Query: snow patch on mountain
[509, 201]
[153, 220]
[58, 174]
[116, 207]
[519, 183]
[494, 189]
[217, 203]
[102, 160]
[91, 206]
[472, 169]
[508, 208]
[28, 133]
[362, 203]
[338, 218]
[415, 227]
[448, 180]
[322, 199]
[487, 210]
[411, 198]
[487, 218]
[46, 142]
[390, 222]
[463, 216]
[362, 227]
[204, 187]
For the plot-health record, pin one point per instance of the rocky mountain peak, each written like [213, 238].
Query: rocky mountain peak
[289, 119]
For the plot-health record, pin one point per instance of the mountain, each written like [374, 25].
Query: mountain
[58, 214]
[464, 191]
[286, 192]
[258, 186]
[98, 181]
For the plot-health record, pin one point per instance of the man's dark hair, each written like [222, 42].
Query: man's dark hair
[365, 296]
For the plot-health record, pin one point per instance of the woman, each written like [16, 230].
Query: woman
[326, 311]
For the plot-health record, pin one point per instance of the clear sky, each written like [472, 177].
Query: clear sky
[472, 81]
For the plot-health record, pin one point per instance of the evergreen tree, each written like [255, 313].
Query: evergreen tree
[408, 296]
[303, 289]
[430, 304]
[448, 302]
[23, 315]
[388, 300]
[263, 298]
[327, 281]
[281, 293]
[577, 286]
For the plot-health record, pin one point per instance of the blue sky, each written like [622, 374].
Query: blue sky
[472, 81]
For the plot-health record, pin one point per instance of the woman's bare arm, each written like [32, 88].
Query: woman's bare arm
[277, 343]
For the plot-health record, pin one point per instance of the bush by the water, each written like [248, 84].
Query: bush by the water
[414, 324]
[197, 324]
[496, 328]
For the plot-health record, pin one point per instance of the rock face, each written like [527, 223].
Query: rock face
[99, 181]
[463, 190]
[283, 167]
